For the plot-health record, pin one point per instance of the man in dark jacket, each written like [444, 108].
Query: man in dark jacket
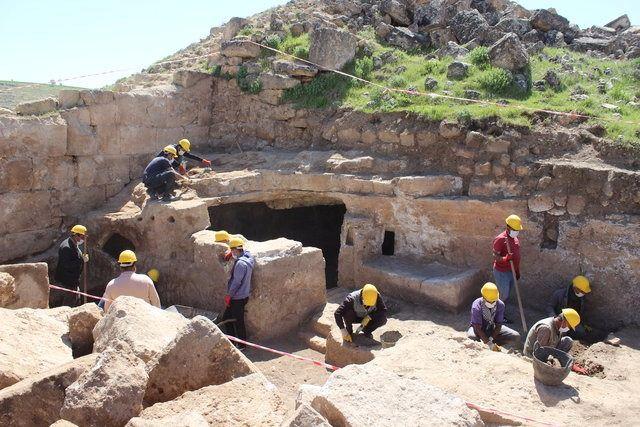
[183, 150]
[159, 177]
[70, 264]
[364, 306]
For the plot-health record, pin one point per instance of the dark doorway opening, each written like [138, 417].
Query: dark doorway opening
[389, 243]
[317, 226]
[116, 244]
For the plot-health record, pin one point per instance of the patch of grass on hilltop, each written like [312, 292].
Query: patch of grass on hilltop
[410, 71]
[13, 93]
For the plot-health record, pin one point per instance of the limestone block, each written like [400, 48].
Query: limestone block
[498, 146]
[142, 140]
[407, 139]
[349, 136]
[37, 400]
[68, 98]
[81, 138]
[76, 201]
[277, 82]
[54, 173]
[132, 109]
[389, 137]
[100, 170]
[17, 245]
[305, 416]
[146, 329]
[33, 136]
[42, 345]
[331, 48]
[103, 114]
[541, 203]
[31, 284]
[26, 211]
[16, 174]
[391, 399]
[63, 423]
[449, 129]
[82, 320]
[240, 47]
[188, 78]
[434, 185]
[109, 393]
[96, 96]
[483, 169]
[427, 138]
[308, 392]
[36, 108]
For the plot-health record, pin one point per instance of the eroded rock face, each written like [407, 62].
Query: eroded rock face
[332, 48]
[509, 53]
[200, 355]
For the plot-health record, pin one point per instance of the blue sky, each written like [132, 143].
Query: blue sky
[43, 40]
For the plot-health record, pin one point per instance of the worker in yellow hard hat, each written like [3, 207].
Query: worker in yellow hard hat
[154, 275]
[573, 296]
[183, 151]
[159, 176]
[506, 250]
[130, 283]
[71, 259]
[552, 332]
[364, 306]
[487, 320]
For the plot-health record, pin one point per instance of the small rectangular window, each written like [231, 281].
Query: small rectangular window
[389, 243]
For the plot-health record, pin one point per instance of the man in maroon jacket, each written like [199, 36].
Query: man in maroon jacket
[506, 249]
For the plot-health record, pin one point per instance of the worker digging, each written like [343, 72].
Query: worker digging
[487, 320]
[183, 151]
[160, 177]
[364, 306]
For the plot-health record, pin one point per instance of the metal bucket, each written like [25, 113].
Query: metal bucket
[390, 338]
[547, 374]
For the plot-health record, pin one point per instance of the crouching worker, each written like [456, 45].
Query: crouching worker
[183, 150]
[548, 332]
[160, 177]
[130, 283]
[487, 320]
[364, 306]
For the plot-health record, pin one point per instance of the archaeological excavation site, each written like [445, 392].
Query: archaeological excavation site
[320, 203]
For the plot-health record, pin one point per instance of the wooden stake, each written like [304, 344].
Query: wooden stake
[85, 269]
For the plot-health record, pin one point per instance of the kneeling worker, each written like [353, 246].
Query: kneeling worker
[487, 318]
[130, 283]
[159, 176]
[183, 149]
[548, 332]
[364, 306]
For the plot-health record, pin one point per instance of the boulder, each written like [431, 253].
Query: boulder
[32, 341]
[545, 20]
[406, 39]
[397, 11]
[621, 23]
[146, 329]
[240, 47]
[297, 29]
[200, 355]
[294, 69]
[7, 289]
[453, 50]
[514, 25]
[36, 108]
[233, 27]
[584, 44]
[468, 25]
[438, 11]
[30, 288]
[68, 98]
[391, 399]
[109, 393]
[306, 416]
[272, 81]
[249, 400]
[332, 48]
[509, 53]
[82, 320]
[182, 419]
[458, 70]
[37, 400]
[552, 79]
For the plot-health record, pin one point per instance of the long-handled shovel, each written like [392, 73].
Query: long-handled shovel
[515, 280]
[85, 269]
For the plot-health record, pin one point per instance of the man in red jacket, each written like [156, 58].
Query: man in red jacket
[506, 248]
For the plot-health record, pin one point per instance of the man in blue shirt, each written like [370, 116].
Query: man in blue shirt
[487, 320]
[238, 287]
[160, 177]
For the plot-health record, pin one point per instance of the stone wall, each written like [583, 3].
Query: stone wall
[68, 161]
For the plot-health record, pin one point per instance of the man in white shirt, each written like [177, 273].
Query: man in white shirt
[130, 283]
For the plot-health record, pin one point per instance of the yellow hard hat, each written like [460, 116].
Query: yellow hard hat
[582, 283]
[369, 295]
[222, 236]
[236, 242]
[185, 144]
[514, 222]
[127, 258]
[171, 150]
[572, 316]
[154, 274]
[490, 292]
[79, 229]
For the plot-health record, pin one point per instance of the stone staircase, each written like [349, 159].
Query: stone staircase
[318, 329]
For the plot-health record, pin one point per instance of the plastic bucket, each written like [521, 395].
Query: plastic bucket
[547, 374]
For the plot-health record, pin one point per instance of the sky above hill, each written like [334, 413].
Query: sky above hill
[44, 40]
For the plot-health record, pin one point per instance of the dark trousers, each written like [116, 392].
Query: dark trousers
[236, 311]
[350, 317]
[506, 335]
[163, 183]
[63, 298]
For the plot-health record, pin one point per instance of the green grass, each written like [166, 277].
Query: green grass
[493, 84]
[35, 91]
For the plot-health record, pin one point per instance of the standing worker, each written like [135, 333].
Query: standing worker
[506, 249]
[183, 150]
[487, 318]
[573, 296]
[70, 264]
[159, 176]
[364, 306]
[130, 283]
[548, 332]
[238, 288]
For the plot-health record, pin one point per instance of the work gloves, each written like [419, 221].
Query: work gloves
[206, 162]
[493, 346]
[364, 323]
[85, 257]
[227, 300]
[507, 258]
[182, 170]
[345, 335]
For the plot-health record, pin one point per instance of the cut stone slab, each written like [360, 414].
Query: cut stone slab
[390, 399]
[31, 285]
[249, 400]
[200, 355]
[434, 283]
[294, 69]
[341, 353]
[37, 400]
[272, 81]
[82, 320]
[184, 419]
[146, 329]
[41, 106]
[306, 416]
[332, 48]
[32, 341]
[435, 185]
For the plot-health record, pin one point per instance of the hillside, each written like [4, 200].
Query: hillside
[13, 93]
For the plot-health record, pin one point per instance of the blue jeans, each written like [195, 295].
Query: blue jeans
[504, 282]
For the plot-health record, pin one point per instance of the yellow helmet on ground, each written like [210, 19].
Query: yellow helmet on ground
[572, 316]
[490, 292]
[236, 242]
[127, 258]
[221, 236]
[154, 274]
[185, 144]
[514, 222]
[79, 229]
[170, 150]
[582, 283]
[369, 295]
